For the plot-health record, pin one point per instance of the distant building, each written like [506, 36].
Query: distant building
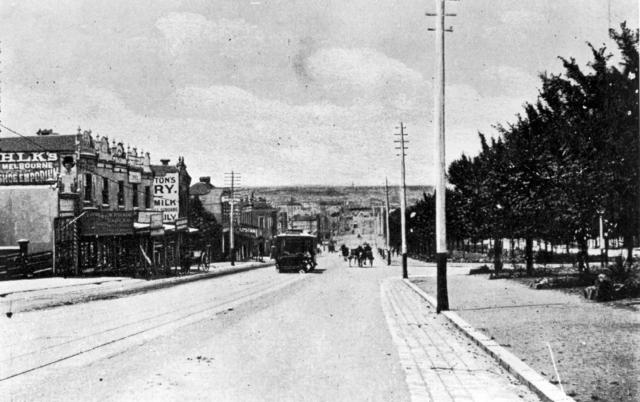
[209, 195]
[291, 207]
[304, 223]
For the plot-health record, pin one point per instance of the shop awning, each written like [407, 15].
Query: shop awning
[140, 226]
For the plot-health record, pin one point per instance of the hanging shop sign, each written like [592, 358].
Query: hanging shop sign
[28, 168]
[244, 229]
[154, 219]
[166, 196]
[181, 224]
[107, 223]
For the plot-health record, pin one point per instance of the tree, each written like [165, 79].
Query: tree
[209, 230]
[571, 154]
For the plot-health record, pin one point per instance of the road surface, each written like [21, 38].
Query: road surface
[257, 335]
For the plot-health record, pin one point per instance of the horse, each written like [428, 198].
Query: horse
[356, 254]
[345, 252]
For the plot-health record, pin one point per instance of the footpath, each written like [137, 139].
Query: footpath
[595, 345]
[440, 364]
[36, 294]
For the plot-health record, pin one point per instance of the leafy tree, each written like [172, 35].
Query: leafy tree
[209, 230]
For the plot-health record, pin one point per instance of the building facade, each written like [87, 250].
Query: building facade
[87, 200]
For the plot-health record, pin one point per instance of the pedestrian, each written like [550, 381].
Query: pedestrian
[360, 255]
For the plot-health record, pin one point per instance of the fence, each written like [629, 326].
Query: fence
[13, 265]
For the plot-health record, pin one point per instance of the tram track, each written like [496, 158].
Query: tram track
[131, 329]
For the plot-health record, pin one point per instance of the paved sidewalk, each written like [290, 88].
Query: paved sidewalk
[35, 294]
[439, 362]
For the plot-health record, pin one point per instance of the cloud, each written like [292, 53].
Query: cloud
[186, 32]
[522, 18]
[361, 72]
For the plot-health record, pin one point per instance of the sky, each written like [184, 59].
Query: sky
[285, 92]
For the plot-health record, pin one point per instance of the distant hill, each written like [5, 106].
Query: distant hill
[359, 195]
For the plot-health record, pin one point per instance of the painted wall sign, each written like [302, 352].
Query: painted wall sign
[28, 167]
[165, 196]
[135, 177]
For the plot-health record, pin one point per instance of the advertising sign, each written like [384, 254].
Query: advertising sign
[106, 223]
[28, 168]
[165, 196]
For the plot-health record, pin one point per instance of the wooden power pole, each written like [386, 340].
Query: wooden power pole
[232, 180]
[440, 163]
[387, 233]
[403, 199]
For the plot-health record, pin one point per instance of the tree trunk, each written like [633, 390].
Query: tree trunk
[512, 251]
[497, 255]
[583, 254]
[528, 249]
[628, 244]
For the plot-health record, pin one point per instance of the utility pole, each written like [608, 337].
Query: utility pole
[232, 180]
[439, 126]
[387, 233]
[403, 200]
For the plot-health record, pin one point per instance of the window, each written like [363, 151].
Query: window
[261, 222]
[147, 197]
[121, 193]
[88, 187]
[134, 189]
[105, 191]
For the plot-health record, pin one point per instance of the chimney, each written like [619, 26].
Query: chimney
[165, 162]
[205, 179]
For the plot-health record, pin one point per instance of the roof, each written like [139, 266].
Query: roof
[304, 218]
[297, 235]
[161, 170]
[201, 188]
[38, 143]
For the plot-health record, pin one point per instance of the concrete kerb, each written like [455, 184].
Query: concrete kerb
[519, 369]
[141, 287]
[164, 283]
